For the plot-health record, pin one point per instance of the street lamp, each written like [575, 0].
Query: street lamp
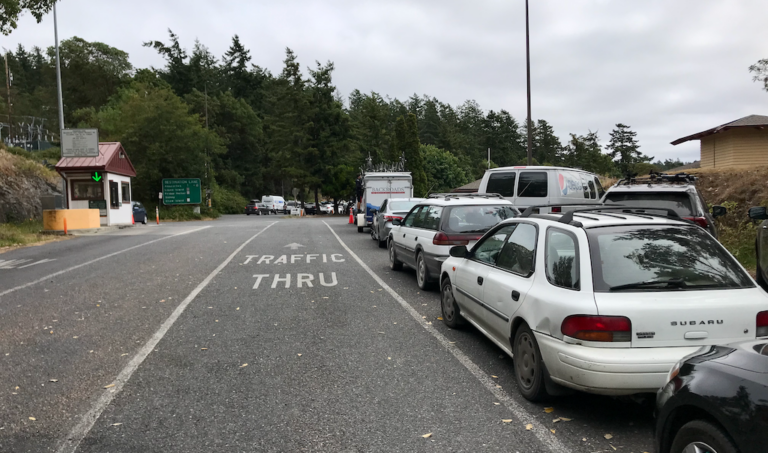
[528, 74]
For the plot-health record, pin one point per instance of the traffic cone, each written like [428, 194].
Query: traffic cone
[133, 220]
[351, 218]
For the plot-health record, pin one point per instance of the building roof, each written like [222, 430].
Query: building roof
[472, 187]
[112, 159]
[757, 121]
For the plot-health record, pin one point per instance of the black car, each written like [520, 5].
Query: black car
[252, 207]
[310, 209]
[139, 212]
[716, 401]
[761, 245]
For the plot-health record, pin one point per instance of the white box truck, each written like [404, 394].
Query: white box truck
[378, 187]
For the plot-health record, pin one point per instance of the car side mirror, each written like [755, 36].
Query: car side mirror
[459, 251]
[719, 211]
[758, 213]
[396, 222]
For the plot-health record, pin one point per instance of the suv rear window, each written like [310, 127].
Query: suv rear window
[476, 219]
[532, 184]
[401, 206]
[679, 201]
[661, 258]
[502, 183]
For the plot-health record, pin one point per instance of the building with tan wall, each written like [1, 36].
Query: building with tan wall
[743, 142]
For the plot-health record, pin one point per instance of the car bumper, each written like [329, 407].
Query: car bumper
[434, 264]
[608, 371]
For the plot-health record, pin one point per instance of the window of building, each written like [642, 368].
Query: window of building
[114, 195]
[126, 192]
[87, 190]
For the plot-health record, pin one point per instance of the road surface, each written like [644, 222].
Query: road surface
[261, 333]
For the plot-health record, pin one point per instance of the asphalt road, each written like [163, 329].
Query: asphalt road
[260, 333]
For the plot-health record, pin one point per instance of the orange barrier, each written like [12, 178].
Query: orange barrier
[351, 218]
[76, 219]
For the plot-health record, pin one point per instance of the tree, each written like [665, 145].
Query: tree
[369, 116]
[583, 151]
[443, 169]
[10, 10]
[411, 148]
[760, 70]
[547, 148]
[624, 149]
[176, 71]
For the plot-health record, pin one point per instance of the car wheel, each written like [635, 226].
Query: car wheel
[383, 244]
[373, 233]
[144, 222]
[247, 213]
[422, 273]
[699, 436]
[529, 370]
[394, 263]
[450, 309]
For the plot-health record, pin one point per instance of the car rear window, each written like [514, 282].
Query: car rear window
[476, 219]
[502, 183]
[532, 184]
[401, 206]
[638, 257]
[679, 201]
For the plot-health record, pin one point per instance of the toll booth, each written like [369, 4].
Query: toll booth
[100, 183]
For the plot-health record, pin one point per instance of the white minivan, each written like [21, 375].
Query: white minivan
[273, 204]
[539, 186]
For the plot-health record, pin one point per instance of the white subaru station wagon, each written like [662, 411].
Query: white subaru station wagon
[602, 300]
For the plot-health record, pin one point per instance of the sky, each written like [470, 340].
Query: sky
[667, 68]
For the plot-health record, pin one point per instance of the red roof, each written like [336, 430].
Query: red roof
[112, 159]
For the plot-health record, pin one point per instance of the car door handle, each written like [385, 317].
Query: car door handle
[515, 296]
[479, 280]
[416, 238]
[403, 235]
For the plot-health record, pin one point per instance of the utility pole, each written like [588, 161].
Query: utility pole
[528, 73]
[58, 71]
[207, 179]
[8, 89]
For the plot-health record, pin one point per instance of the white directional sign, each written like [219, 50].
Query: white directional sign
[294, 246]
[79, 143]
[20, 264]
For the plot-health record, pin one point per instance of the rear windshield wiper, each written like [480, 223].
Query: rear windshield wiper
[474, 231]
[673, 282]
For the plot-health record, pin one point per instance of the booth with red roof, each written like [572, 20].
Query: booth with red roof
[102, 182]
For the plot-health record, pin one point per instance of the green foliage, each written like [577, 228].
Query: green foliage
[227, 201]
[22, 233]
[10, 10]
[668, 164]
[760, 71]
[583, 151]
[625, 150]
[407, 144]
[443, 170]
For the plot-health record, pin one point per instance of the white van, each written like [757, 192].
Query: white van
[537, 186]
[273, 203]
[378, 187]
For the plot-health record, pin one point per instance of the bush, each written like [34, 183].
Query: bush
[737, 233]
[180, 213]
[227, 201]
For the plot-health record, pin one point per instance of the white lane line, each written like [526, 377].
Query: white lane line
[56, 274]
[541, 432]
[78, 433]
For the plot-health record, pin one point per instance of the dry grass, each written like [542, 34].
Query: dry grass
[13, 165]
[13, 235]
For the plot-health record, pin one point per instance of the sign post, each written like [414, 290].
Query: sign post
[179, 191]
[79, 143]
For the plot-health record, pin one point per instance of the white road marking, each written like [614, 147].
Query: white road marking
[541, 432]
[56, 274]
[294, 246]
[10, 264]
[39, 262]
[78, 433]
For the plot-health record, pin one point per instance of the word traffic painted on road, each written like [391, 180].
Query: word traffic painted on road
[21, 264]
[301, 280]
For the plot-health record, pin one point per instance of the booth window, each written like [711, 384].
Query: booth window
[114, 195]
[87, 190]
[126, 192]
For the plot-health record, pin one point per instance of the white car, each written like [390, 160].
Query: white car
[423, 239]
[326, 207]
[602, 300]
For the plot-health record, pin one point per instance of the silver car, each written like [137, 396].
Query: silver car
[391, 208]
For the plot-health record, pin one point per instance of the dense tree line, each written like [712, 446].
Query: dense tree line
[247, 132]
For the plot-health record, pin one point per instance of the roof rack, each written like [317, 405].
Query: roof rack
[530, 210]
[465, 195]
[671, 213]
[655, 177]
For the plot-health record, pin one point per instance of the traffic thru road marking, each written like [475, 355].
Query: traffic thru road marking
[15, 264]
[301, 280]
[78, 433]
[539, 430]
[308, 258]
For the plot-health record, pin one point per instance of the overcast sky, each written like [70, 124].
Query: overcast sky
[667, 68]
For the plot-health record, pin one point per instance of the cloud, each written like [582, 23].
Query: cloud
[667, 69]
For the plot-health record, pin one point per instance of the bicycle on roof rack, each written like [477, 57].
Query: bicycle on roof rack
[655, 177]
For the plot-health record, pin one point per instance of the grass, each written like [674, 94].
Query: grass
[12, 164]
[24, 233]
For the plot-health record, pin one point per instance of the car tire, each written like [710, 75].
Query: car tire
[703, 435]
[448, 306]
[373, 233]
[383, 244]
[529, 367]
[144, 222]
[247, 213]
[422, 273]
[394, 263]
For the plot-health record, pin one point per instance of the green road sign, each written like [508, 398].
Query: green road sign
[181, 191]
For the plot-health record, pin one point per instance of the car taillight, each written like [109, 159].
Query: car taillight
[762, 324]
[598, 328]
[700, 221]
[443, 239]
[389, 218]
[557, 209]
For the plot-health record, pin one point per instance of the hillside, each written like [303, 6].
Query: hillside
[22, 182]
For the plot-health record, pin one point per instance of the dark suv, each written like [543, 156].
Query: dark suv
[252, 207]
[677, 192]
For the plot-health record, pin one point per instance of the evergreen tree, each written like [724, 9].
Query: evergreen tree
[624, 149]
[413, 160]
